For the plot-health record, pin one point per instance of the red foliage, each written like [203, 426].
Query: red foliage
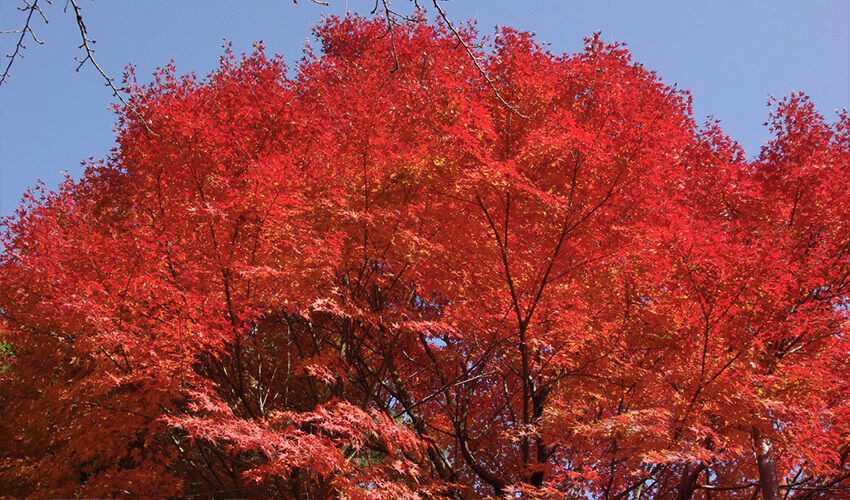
[370, 283]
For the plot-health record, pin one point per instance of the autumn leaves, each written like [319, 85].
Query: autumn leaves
[363, 283]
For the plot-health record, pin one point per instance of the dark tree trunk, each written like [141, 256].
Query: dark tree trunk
[767, 467]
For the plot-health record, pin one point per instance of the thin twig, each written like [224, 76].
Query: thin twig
[87, 43]
[32, 8]
[475, 60]
[391, 16]
[110, 82]
[390, 31]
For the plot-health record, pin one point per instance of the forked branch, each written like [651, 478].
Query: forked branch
[89, 57]
[30, 9]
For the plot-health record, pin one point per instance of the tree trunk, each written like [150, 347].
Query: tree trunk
[767, 467]
[689, 480]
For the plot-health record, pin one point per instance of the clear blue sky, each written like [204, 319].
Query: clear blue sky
[731, 54]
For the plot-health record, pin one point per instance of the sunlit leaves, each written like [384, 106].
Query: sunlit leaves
[351, 281]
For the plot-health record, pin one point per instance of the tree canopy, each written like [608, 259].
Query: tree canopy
[413, 268]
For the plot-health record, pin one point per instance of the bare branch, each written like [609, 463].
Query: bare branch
[388, 14]
[475, 60]
[391, 17]
[87, 46]
[110, 82]
[31, 9]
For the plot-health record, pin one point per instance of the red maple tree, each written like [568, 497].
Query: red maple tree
[370, 280]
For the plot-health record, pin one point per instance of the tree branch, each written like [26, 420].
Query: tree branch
[475, 60]
[31, 9]
[109, 82]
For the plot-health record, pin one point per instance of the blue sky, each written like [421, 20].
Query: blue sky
[731, 55]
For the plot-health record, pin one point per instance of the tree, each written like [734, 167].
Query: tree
[514, 273]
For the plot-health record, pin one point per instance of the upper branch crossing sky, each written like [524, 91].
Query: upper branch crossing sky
[730, 54]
